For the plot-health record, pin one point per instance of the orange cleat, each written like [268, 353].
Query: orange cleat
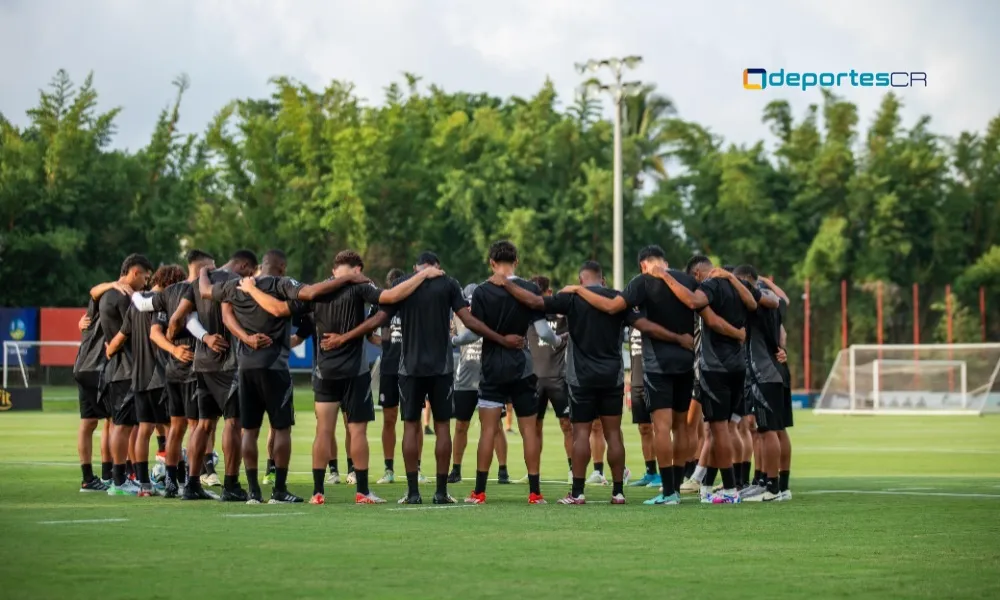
[536, 499]
[368, 498]
[475, 498]
[317, 499]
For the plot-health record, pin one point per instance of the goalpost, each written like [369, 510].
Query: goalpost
[15, 370]
[911, 379]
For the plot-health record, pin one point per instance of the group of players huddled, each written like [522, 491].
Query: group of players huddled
[171, 352]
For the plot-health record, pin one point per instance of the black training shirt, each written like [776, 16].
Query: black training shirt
[495, 307]
[425, 319]
[720, 353]
[340, 312]
[657, 303]
[207, 360]
[90, 357]
[166, 301]
[549, 361]
[147, 366]
[113, 307]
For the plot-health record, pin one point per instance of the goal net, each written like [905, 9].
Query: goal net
[898, 379]
[47, 365]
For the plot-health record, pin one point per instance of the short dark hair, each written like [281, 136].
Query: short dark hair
[746, 271]
[542, 282]
[728, 268]
[275, 258]
[695, 261]
[593, 266]
[245, 255]
[168, 275]
[428, 258]
[652, 251]
[136, 260]
[503, 251]
[393, 276]
[194, 256]
[349, 258]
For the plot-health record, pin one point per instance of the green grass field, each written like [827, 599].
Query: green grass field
[884, 507]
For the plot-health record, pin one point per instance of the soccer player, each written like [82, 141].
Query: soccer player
[640, 414]
[148, 372]
[90, 361]
[341, 375]
[722, 365]
[390, 338]
[426, 366]
[468, 374]
[668, 364]
[215, 372]
[508, 373]
[117, 376]
[549, 362]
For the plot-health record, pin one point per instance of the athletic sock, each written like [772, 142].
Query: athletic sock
[280, 479]
[599, 467]
[650, 467]
[106, 470]
[418, 465]
[118, 473]
[182, 472]
[442, 483]
[362, 475]
[772, 485]
[209, 465]
[738, 474]
[481, 481]
[757, 476]
[270, 466]
[569, 461]
[678, 471]
[667, 480]
[172, 473]
[617, 487]
[350, 464]
[534, 483]
[689, 468]
[746, 472]
[129, 469]
[783, 477]
[161, 443]
[578, 486]
[252, 482]
[699, 473]
[728, 478]
[388, 464]
[411, 484]
[710, 474]
[318, 475]
[332, 464]
[142, 471]
[88, 472]
[502, 469]
[456, 469]
[231, 482]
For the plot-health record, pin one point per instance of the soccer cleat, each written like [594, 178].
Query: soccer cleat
[108, 482]
[414, 499]
[597, 478]
[145, 490]
[237, 495]
[618, 499]
[211, 480]
[368, 498]
[389, 477]
[254, 497]
[707, 497]
[726, 497]
[690, 486]
[420, 477]
[752, 493]
[333, 477]
[161, 457]
[657, 482]
[444, 499]
[764, 496]
[196, 493]
[352, 478]
[454, 477]
[643, 482]
[123, 490]
[569, 479]
[283, 497]
[785, 496]
[132, 486]
[571, 499]
[94, 485]
[270, 475]
[170, 488]
[428, 430]
[717, 489]
[475, 498]
[503, 477]
[536, 499]
[317, 499]
[661, 499]
[626, 476]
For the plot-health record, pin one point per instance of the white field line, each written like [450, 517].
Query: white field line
[261, 515]
[891, 493]
[82, 521]
[434, 507]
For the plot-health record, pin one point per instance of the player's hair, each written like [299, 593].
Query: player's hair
[194, 256]
[349, 258]
[428, 258]
[168, 275]
[275, 258]
[652, 251]
[728, 268]
[593, 266]
[136, 260]
[245, 255]
[393, 276]
[746, 271]
[503, 251]
[696, 261]
[542, 282]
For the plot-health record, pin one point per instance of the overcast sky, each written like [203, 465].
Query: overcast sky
[694, 51]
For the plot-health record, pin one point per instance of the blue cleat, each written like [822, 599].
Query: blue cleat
[645, 481]
[656, 482]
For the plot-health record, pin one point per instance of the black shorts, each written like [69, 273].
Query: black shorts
[786, 407]
[522, 394]
[182, 399]
[88, 385]
[353, 393]
[721, 395]
[465, 404]
[671, 391]
[265, 391]
[552, 390]
[640, 414]
[766, 404]
[436, 389]
[388, 391]
[218, 395]
[586, 404]
[151, 407]
[120, 402]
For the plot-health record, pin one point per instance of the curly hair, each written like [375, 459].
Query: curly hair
[168, 275]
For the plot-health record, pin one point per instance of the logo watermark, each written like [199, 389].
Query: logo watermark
[760, 79]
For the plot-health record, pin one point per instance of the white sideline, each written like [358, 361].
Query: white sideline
[82, 521]
[261, 515]
[896, 493]
[435, 507]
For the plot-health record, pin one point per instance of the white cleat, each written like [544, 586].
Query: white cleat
[389, 477]
[333, 478]
[211, 480]
[690, 486]
[785, 496]
[597, 478]
[626, 477]
[352, 478]
[421, 478]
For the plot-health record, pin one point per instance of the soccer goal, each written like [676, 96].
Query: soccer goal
[908, 379]
[34, 363]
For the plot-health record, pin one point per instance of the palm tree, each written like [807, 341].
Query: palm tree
[644, 117]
